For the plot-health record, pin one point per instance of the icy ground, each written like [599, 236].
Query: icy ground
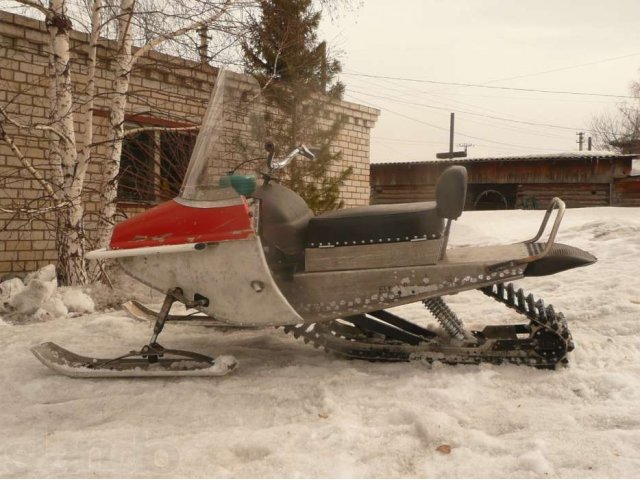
[292, 411]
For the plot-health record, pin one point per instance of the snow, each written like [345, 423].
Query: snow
[45, 274]
[289, 410]
[9, 289]
[36, 294]
[77, 301]
[38, 298]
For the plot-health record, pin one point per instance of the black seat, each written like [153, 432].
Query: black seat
[393, 223]
[375, 224]
[288, 224]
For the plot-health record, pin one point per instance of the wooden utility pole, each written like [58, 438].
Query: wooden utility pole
[451, 154]
[451, 127]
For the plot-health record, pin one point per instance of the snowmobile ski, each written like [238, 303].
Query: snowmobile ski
[149, 362]
[152, 360]
[544, 342]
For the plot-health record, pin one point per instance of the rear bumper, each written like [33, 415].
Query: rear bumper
[560, 258]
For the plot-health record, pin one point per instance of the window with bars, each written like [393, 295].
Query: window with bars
[153, 164]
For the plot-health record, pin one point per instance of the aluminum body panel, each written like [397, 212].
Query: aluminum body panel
[233, 275]
[489, 254]
[329, 295]
[400, 254]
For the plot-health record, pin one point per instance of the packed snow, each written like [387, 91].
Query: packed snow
[38, 298]
[289, 410]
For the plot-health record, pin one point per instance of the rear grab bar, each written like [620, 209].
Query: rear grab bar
[556, 203]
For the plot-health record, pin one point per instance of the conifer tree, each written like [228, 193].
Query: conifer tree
[283, 52]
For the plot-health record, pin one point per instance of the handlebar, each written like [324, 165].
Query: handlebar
[300, 150]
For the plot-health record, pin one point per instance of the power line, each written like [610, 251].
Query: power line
[553, 70]
[406, 140]
[405, 90]
[494, 87]
[452, 105]
[466, 112]
[526, 131]
[459, 133]
[481, 121]
[494, 117]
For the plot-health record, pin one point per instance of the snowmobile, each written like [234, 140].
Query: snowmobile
[250, 253]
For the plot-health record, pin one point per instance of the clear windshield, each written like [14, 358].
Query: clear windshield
[231, 138]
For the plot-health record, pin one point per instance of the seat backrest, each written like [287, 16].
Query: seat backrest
[451, 192]
[284, 217]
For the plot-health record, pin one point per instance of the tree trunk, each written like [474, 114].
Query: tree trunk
[70, 242]
[70, 229]
[86, 109]
[111, 165]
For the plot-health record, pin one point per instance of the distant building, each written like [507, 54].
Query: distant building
[581, 179]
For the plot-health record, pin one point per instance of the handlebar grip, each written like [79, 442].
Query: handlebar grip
[305, 152]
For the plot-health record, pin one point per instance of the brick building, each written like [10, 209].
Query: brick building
[164, 91]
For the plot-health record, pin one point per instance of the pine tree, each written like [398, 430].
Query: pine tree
[284, 54]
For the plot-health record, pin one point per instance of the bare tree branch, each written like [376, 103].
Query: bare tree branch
[609, 129]
[36, 126]
[36, 211]
[86, 110]
[168, 36]
[135, 131]
[27, 163]
[30, 3]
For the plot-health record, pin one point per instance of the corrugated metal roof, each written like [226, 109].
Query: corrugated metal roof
[589, 155]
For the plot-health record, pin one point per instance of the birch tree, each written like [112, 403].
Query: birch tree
[68, 162]
[124, 62]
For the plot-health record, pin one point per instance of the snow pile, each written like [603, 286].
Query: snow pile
[38, 298]
[9, 289]
[77, 301]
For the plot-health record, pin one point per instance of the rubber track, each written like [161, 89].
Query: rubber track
[547, 343]
[544, 321]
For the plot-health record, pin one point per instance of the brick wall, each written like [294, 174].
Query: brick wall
[162, 87]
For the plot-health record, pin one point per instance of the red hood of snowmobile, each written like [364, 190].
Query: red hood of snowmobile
[173, 223]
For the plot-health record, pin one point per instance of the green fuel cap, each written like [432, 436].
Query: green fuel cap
[243, 184]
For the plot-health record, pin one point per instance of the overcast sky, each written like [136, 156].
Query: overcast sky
[562, 45]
